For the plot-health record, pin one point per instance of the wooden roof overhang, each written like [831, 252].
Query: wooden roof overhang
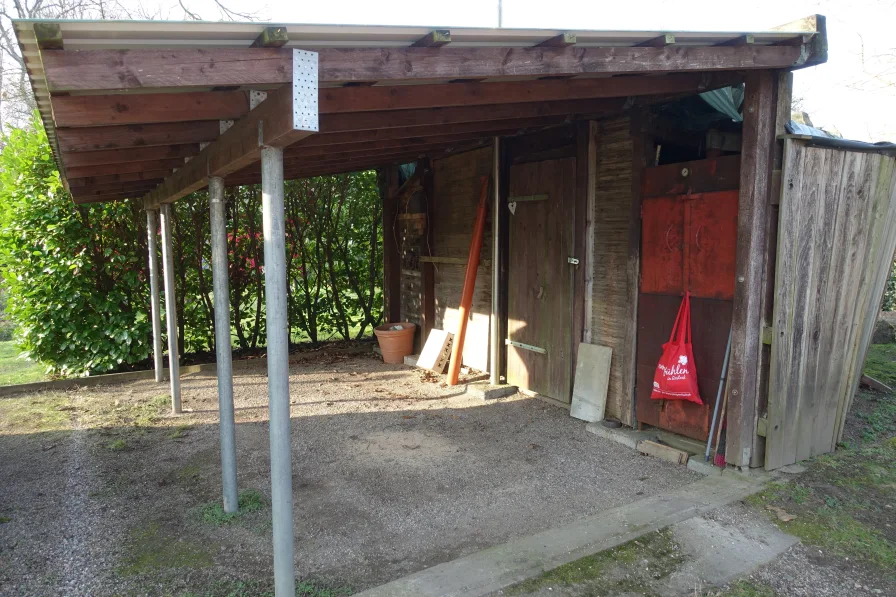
[152, 109]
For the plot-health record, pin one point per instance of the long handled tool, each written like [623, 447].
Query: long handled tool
[715, 413]
[466, 299]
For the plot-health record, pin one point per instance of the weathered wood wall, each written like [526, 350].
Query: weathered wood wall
[456, 186]
[836, 241]
[614, 271]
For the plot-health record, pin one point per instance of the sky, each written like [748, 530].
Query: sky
[842, 94]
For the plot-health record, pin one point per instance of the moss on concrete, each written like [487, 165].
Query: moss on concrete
[628, 568]
[150, 548]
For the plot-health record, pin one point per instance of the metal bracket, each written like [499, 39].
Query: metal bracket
[304, 90]
[572, 260]
[512, 207]
[225, 124]
[510, 342]
[255, 98]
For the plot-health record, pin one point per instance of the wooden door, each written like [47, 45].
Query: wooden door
[688, 243]
[539, 300]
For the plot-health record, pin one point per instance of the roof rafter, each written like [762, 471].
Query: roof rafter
[285, 116]
[106, 70]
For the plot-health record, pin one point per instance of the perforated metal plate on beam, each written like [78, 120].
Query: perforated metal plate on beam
[304, 90]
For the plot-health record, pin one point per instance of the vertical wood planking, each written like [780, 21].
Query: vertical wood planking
[586, 170]
[757, 150]
[615, 281]
[782, 117]
[455, 192]
[835, 251]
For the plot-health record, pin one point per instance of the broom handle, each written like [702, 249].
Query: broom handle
[722, 382]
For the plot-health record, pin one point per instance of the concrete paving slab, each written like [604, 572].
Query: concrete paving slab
[621, 435]
[720, 553]
[485, 391]
[496, 568]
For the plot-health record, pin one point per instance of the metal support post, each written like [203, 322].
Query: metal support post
[495, 344]
[152, 226]
[170, 307]
[273, 220]
[222, 342]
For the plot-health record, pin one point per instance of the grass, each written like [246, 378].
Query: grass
[879, 363]
[745, 588]
[14, 370]
[257, 589]
[841, 504]
[34, 413]
[248, 501]
[615, 571]
[117, 445]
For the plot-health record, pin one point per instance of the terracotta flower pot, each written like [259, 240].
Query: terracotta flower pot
[396, 340]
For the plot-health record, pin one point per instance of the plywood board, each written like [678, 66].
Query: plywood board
[437, 351]
[589, 394]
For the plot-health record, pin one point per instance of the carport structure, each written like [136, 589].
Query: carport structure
[153, 111]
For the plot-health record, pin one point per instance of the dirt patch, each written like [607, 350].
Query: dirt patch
[391, 475]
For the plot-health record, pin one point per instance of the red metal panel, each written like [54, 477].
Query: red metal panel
[710, 321]
[662, 245]
[712, 244]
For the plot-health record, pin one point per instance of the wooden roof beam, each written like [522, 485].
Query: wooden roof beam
[287, 114]
[118, 178]
[374, 135]
[666, 39]
[434, 39]
[359, 121]
[107, 70]
[815, 43]
[271, 37]
[105, 110]
[138, 154]
[558, 41]
[124, 168]
[129, 136]
[402, 97]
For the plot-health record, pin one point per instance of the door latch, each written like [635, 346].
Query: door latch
[572, 260]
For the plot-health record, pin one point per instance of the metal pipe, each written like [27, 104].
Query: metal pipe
[222, 342]
[273, 221]
[466, 298]
[715, 412]
[495, 343]
[152, 225]
[170, 307]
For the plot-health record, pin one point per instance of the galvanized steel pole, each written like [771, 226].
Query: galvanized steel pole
[152, 225]
[170, 307]
[273, 220]
[494, 356]
[222, 342]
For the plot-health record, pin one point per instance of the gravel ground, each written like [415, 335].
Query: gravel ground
[392, 473]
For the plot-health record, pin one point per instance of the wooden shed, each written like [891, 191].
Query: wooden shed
[617, 186]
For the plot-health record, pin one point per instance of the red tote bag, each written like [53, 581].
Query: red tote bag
[676, 375]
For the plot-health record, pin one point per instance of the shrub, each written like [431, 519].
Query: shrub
[74, 274]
